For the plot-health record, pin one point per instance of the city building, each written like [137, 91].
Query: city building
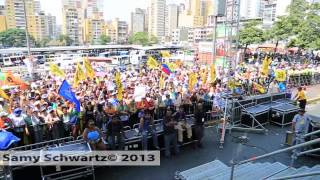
[72, 18]
[251, 9]
[137, 22]
[51, 26]
[93, 8]
[15, 13]
[274, 9]
[3, 21]
[71, 24]
[179, 35]
[117, 30]
[191, 17]
[171, 18]
[93, 29]
[199, 34]
[156, 25]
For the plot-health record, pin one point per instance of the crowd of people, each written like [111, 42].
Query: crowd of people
[38, 113]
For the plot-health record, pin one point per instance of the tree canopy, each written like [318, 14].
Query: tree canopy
[251, 33]
[142, 38]
[15, 38]
[104, 39]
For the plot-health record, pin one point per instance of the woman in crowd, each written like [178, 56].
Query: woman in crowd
[93, 136]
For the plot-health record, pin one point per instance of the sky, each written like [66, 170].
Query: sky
[112, 8]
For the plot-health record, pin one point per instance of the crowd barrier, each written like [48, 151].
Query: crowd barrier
[304, 79]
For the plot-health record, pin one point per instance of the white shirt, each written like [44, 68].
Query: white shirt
[18, 121]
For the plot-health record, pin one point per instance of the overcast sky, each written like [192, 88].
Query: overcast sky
[112, 8]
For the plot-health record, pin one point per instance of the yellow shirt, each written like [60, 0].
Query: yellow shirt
[301, 95]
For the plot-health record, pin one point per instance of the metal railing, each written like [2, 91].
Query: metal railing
[298, 176]
[234, 164]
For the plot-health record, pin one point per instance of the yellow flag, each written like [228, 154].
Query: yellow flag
[88, 67]
[265, 66]
[3, 94]
[281, 75]
[152, 63]
[117, 79]
[259, 87]
[212, 73]
[78, 76]
[192, 80]
[161, 82]
[54, 69]
[165, 54]
[204, 76]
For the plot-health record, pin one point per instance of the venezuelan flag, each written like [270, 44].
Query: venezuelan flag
[166, 69]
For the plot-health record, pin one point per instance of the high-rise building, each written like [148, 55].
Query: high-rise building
[274, 9]
[15, 13]
[37, 7]
[171, 18]
[156, 25]
[93, 29]
[3, 21]
[93, 8]
[51, 26]
[137, 22]
[206, 10]
[117, 30]
[72, 17]
[250, 9]
[192, 16]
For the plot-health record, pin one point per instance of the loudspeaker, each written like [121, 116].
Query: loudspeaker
[219, 8]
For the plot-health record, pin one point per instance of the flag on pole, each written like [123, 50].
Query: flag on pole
[280, 75]
[165, 54]
[192, 80]
[212, 73]
[3, 94]
[265, 66]
[88, 67]
[54, 69]
[78, 76]
[161, 82]
[166, 69]
[10, 79]
[152, 63]
[66, 92]
[119, 85]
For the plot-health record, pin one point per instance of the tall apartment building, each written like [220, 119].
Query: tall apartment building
[15, 13]
[93, 8]
[51, 26]
[117, 30]
[274, 9]
[191, 17]
[251, 9]
[72, 19]
[93, 29]
[3, 21]
[171, 18]
[137, 21]
[156, 25]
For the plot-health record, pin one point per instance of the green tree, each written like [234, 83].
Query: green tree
[104, 39]
[251, 34]
[307, 31]
[140, 38]
[15, 38]
[153, 39]
[65, 39]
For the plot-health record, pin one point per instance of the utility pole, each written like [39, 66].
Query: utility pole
[27, 33]
[30, 69]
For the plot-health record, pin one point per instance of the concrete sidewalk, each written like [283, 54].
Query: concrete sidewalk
[312, 92]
